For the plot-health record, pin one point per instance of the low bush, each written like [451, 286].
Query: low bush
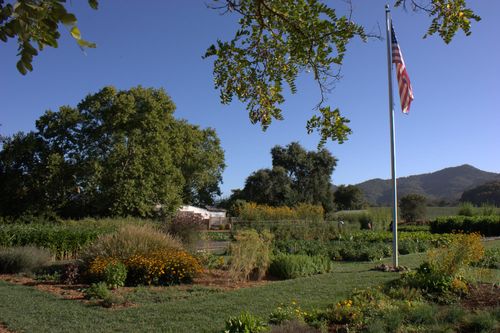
[161, 267]
[466, 209]
[115, 275]
[337, 250]
[210, 260]
[164, 267]
[480, 321]
[24, 259]
[287, 312]
[97, 291]
[245, 323]
[444, 270]
[485, 225]
[491, 259]
[286, 266]
[250, 254]
[407, 246]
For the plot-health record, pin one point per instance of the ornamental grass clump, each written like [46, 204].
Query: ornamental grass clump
[128, 241]
[250, 255]
[23, 259]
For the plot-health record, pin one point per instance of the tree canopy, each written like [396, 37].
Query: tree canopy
[35, 24]
[278, 40]
[413, 207]
[297, 176]
[116, 153]
[348, 197]
[274, 43]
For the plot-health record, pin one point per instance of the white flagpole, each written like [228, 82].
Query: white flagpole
[393, 142]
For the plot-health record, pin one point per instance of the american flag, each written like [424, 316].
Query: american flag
[405, 91]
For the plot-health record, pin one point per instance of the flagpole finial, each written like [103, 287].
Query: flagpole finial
[387, 8]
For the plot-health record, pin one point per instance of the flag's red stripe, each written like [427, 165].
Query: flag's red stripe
[404, 85]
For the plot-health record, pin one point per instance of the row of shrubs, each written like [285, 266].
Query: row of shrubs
[484, 225]
[249, 211]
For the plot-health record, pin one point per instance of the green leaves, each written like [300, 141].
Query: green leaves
[36, 23]
[448, 16]
[116, 153]
[330, 125]
[276, 41]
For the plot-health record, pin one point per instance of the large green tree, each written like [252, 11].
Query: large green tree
[116, 153]
[269, 186]
[413, 207]
[348, 197]
[275, 41]
[297, 176]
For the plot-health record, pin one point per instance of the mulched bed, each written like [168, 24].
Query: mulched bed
[213, 278]
[4, 329]
[482, 296]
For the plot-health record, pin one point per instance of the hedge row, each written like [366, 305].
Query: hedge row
[292, 266]
[374, 246]
[485, 225]
[249, 211]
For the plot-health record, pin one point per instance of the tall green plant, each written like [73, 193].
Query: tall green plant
[250, 254]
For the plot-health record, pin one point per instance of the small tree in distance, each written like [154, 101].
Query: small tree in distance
[413, 207]
[348, 198]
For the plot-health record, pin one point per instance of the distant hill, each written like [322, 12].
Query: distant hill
[447, 184]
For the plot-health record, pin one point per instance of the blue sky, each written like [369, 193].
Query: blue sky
[455, 118]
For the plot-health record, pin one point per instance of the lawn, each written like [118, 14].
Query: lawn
[198, 309]
[181, 309]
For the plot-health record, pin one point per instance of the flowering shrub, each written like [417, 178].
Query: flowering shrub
[164, 267]
[287, 312]
[344, 312]
[98, 266]
[445, 268]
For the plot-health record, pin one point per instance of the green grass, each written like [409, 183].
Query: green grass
[185, 309]
[177, 309]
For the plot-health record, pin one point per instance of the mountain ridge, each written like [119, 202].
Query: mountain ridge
[445, 185]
